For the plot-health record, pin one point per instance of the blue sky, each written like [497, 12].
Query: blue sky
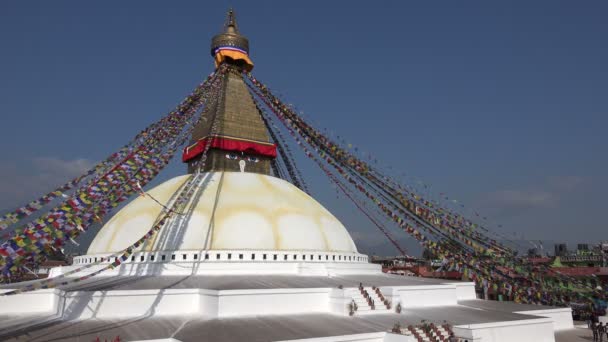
[501, 105]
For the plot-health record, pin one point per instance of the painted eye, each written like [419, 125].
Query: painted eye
[232, 156]
[253, 159]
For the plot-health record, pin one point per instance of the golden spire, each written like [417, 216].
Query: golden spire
[230, 26]
[240, 137]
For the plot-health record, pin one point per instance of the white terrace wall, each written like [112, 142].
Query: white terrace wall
[195, 302]
[464, 290]
[236, 266]
[234, 303]
[133, 303]
[421, 295]
[46, 301]
[537, 330]
[561, 317]
[369, 337]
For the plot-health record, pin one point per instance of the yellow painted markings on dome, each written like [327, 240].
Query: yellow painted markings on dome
[318, 222]
[300, 232]
[244, 199]
[236, 230]
[140, 206]
[163, 194]
[135, 209]
[153, 245]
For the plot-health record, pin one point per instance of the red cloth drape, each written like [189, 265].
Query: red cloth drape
[230, 144]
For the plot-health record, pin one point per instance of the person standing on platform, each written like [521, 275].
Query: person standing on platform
[594, 328]
[601, 330]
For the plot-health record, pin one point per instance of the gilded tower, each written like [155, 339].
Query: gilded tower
[237, 135]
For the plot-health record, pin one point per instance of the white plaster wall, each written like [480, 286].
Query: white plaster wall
[46, 301]
[29, 309]
[392, 294]
[129, 304]
[169, 302]
[428, 295]
[339, 300]
[312, 269]
[389, 337]
[159, 340]
[353, 268]
[533, 330]
[267, 256]
[221, 268]
[561, 317]
[369, 337]
[208, 303]
[465, 290]
[233, 303]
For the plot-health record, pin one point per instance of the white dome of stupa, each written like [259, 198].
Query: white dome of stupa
[249, 211]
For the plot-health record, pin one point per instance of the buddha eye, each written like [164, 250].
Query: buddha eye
[232, 156]
[253, 159]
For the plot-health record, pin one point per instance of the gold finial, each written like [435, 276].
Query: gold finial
[231, 45]
[230, 25]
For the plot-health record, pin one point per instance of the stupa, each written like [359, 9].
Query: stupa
[251, 258]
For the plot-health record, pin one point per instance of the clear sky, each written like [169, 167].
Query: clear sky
[501, 105]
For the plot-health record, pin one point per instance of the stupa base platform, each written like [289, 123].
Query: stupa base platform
[267, 308]
[309, 327]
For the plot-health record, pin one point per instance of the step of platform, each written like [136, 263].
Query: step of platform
[373, 312]
[377, 300]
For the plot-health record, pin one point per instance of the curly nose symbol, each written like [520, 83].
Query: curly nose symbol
[242, 165]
